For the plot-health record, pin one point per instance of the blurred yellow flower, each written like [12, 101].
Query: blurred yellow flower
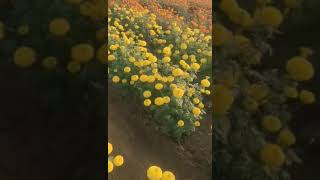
[300, 69]
[272, 155]
[24, 57]
[82, 53]
[59, 26]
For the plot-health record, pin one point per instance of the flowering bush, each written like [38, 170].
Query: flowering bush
[162, 64]
[250, 102]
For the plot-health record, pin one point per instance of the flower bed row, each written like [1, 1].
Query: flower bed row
[161, 63]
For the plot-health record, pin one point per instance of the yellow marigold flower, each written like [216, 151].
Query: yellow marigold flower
[154, 173]
[147, 102]
[166, 99]
[132, 59]
[197, 123]
[118, 160]
[170, 79]
[158, 86]
[201, 105]
[271, 123]
[147, 94]
[82, 53]
[300, 69]
[166, 59]
[153, 59]
[205, 83]
[272, 155]
[59, 26]
[167, 175]
[173, 86]
[143, 78]
[167, 51]
[177, 92]
[222, 99]
[286, 138]
[127, 69]
[183, 46]
[134, 77]
[110, 148]
[151, 79]
[110, 166]
[74, 67]
[154, 71]
[196, 101]
[307, 97]
[196, 111]
[152, 32]
[24, 57]
[180, 123]
[159, 101]
[177, 72]
[270, 16]
[182, 63]
[50, 62]
[114, 47]
[195, 66]
[115, 79]
[142, 43]
[185, 57]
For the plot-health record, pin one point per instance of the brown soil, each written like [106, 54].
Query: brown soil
[134, 137]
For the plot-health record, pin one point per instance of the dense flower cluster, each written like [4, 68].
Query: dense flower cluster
[250, 102]
[156, 173]
[116, 161]
[196, 13]
[163, 64]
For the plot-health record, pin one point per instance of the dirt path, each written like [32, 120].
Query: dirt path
[143, 146]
